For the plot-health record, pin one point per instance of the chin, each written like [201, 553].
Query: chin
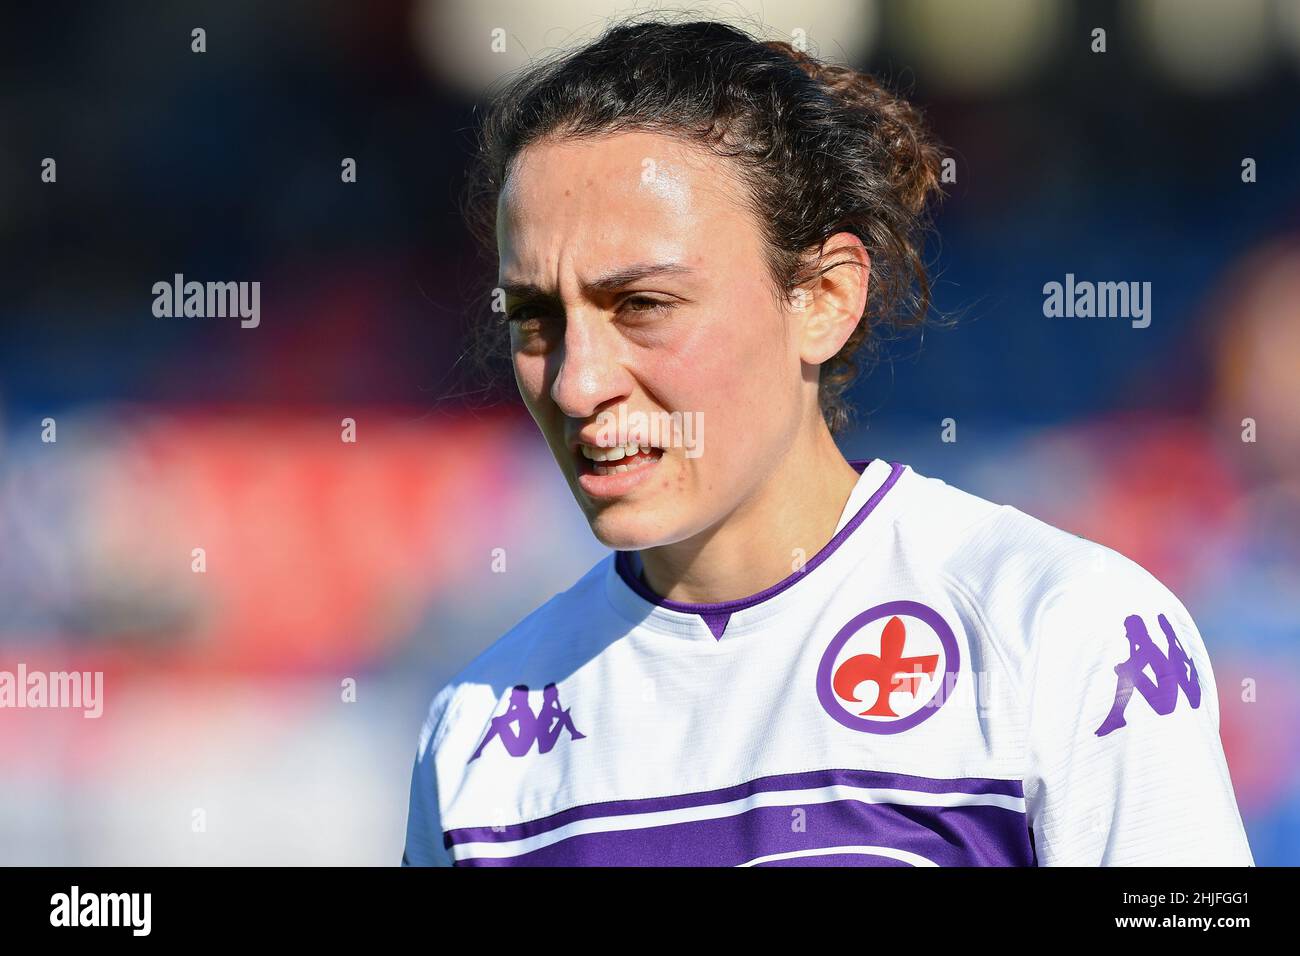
[624, 528]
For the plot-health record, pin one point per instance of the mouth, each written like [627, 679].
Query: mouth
[608, 474]
[594, 460]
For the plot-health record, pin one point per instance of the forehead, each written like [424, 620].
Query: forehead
[633, 193]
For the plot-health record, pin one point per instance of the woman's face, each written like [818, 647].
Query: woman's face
[643, 315]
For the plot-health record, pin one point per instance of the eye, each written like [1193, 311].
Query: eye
[528, 316]
[534, 329]
[644, 304]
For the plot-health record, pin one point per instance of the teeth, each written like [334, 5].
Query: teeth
[616, 454]
[613, 454]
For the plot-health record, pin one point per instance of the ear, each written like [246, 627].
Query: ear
[830, 305]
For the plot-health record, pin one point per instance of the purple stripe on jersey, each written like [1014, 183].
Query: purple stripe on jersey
[833, 859]
[716, 616]
[946, 836]
[811, 780]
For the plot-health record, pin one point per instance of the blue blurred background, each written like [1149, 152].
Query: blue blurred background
[373, 562]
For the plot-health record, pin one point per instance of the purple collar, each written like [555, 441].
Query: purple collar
[716, 616]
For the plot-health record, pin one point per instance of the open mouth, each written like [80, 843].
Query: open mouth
[613, 461]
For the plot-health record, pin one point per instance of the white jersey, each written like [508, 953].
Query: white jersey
[948, 682]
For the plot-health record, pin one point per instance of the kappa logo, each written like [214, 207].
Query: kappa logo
[1172, 671]
[889, 668]
[519, 728]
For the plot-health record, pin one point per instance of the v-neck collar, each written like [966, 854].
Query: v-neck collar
[626, 565]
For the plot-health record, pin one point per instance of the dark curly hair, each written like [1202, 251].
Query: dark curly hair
[821, 149]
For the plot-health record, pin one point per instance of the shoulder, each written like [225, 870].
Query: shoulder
[1036, 589]
[535, 648]
[982, 542]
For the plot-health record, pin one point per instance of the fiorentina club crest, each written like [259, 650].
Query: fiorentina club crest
[889, 668]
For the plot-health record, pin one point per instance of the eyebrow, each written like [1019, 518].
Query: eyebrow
[607, 282]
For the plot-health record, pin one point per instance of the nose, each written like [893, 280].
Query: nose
[589, 373]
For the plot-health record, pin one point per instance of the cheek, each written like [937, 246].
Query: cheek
[530, 377]
[736, 367]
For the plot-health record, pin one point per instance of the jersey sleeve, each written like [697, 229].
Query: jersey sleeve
[1126, 767]
[424, 846]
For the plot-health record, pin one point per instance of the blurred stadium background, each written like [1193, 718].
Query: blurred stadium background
[328, 561]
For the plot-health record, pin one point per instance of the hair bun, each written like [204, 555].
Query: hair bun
[912, 157]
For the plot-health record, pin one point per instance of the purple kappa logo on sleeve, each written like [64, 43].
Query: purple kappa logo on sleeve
[519, 728]
[1172, 671]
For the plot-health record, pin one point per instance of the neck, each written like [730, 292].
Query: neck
[762, 542]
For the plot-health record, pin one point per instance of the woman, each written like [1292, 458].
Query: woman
[789, 658]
